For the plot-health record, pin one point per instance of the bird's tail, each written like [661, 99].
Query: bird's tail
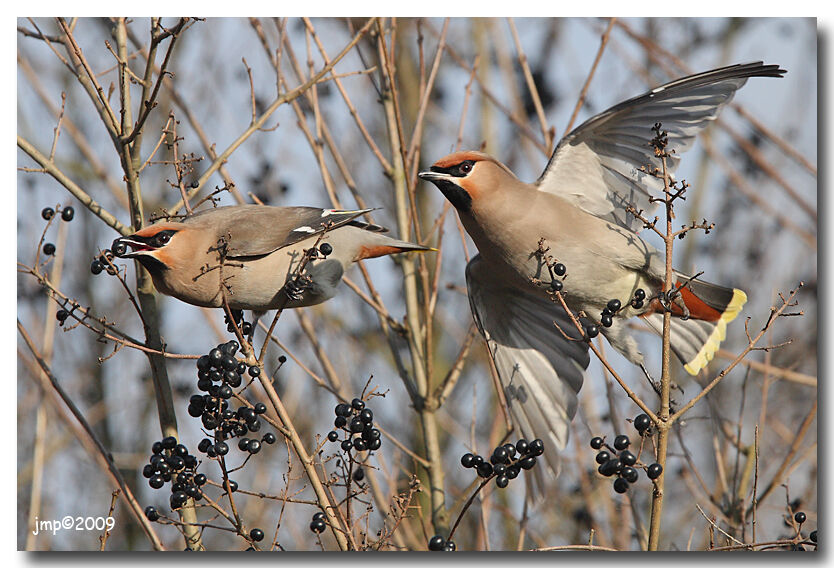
[695, 339]
[380, 245]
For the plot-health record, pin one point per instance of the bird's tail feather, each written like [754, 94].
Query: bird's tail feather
[381, 245]
[695, 339]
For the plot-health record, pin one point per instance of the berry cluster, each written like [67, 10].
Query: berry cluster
[318, 524]
[246, 327]
[171, 462]
[356, 420]
[104, 261]
[218, 373]
[63, 314]
[506, 461]
[619, 461]
[67, 213]
[438, 543]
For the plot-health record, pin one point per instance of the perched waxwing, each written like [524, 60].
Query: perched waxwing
[579, 207]
[250, 253]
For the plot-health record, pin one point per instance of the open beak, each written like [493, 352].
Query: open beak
[120, 247]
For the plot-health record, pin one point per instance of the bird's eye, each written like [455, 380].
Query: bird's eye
[162, 238]
[466, 167]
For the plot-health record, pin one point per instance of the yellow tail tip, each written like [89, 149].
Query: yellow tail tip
[718, 334]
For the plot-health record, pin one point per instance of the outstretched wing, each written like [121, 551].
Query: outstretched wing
[255, 230]
[597, 166]
[540, 369]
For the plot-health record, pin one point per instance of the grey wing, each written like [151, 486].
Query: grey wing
[597, 166]
[540, 370]
[254, 230]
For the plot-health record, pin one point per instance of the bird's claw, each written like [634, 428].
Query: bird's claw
[295, 289]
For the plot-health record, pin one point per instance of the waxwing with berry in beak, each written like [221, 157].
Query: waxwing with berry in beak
[248, 254]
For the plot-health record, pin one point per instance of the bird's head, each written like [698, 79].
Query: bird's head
[468, 177]
[157, 247]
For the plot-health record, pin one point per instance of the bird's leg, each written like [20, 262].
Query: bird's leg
[295, 288]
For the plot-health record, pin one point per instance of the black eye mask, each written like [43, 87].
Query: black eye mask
[459, 170]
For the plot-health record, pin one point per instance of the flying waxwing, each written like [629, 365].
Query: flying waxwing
[579, 207]
[249, 253]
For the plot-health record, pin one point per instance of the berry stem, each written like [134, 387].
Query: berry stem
[663, 423]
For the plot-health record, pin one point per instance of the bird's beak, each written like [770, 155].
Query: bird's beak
[433, 176]
[120, 247]
[449, 185]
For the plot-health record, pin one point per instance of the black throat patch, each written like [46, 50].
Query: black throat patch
[456, 195]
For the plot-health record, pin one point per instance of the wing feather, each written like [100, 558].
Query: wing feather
[597, 166]
[256, 230]
[540, 370]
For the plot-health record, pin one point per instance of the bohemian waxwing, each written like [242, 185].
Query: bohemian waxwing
[579, 207]
[260, 248]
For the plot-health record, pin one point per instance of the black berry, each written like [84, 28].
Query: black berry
[256, 534]
[611, 467]
[484, 469]
[332, 435]
[813, 536]
[603, 457]
[269, 438]
[654, 471]
[527, 462]
[48, 249]
[628, 458]
[642, 422]
[521, 446]
[67, 213]
[318, 526]
[436, 543]
[151, 513]
[621, 442]
[591, 331]
[47, 213]
[614, 306]
[500, 455]
[325, 249]
[629, 474]
[357, 404]
[596, 442]
[620, 485]
[560, 269]
[467, 460]
[800, 517]
[502, 481]
[536, 447]
[96, 267]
